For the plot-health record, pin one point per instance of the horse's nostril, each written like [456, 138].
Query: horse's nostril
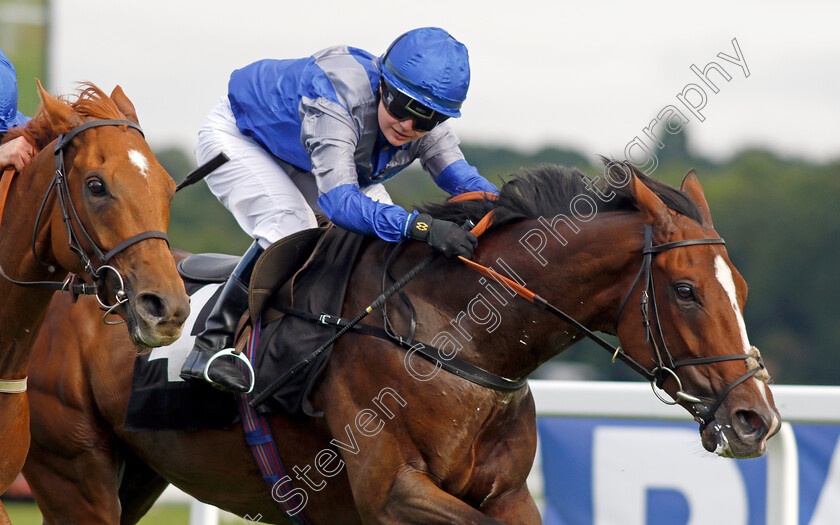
[152, 305]
[750, 420]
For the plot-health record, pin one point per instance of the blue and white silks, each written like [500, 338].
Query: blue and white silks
[319, 114]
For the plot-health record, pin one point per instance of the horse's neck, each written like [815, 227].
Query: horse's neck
[22, 309]
[585, 278]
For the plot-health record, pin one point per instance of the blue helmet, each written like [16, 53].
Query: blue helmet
[9, 114]
[431, 67]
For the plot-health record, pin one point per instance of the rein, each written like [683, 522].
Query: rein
[72, 223]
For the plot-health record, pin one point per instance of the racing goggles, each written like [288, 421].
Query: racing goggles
[401, 107]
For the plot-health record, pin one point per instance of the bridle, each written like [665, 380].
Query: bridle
[72, 223]
[666, 365]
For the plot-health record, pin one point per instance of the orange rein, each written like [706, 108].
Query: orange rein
[5, 184]
[9, 386]
[478, 230]
[484, 223]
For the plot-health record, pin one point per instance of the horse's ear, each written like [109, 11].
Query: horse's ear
[658, 214]
[59, 114]
[124, 105]
[691, 186]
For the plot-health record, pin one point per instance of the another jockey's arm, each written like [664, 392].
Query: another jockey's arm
[17, 153]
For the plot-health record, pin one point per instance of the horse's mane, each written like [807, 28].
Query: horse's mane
[548, 190]
[90, 103]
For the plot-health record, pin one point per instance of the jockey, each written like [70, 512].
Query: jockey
[320, 134]
[18, 151]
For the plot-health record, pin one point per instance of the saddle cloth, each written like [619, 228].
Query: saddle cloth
[161, 400]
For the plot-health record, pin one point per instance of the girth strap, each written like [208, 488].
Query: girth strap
[455, 366]
[12, 386]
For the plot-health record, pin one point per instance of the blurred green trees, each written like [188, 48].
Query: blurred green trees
[779, 218]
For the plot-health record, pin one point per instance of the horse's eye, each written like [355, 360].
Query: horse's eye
[685, 291]
[96, 186]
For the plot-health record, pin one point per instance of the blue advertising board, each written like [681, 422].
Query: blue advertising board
[629, 472]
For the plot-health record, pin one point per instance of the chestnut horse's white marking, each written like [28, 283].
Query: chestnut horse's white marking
[139, 160]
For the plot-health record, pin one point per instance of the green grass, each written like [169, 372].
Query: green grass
[169, 514]
[23, 513]
[161, 514]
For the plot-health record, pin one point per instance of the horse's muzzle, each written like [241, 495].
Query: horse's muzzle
[740, 432]
[156, 319]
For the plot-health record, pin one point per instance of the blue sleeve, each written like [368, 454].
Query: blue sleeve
[459, 177]
[351, 209]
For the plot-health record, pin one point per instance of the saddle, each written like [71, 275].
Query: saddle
[275, 266]
[310, 270]
[306, 273]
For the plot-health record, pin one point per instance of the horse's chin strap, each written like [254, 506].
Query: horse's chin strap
[73, 223]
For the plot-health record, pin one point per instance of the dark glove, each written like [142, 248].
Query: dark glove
[444, 236]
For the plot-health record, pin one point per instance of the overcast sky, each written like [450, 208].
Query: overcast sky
[588, 75]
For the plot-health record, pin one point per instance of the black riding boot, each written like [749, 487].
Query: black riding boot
[219, 331]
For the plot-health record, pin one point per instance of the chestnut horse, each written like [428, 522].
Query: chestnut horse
[93, 201]
[401, 440]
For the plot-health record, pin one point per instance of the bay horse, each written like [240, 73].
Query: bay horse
[95, 202]
[402, 441]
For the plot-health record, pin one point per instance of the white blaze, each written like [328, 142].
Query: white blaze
[724, 276]
[139, 160]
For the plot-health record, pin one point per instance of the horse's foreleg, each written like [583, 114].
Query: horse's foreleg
[76, 488]
[414, 499]
[140, 487]
[514, 507]
[4, 517]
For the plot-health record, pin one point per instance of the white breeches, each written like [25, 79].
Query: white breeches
[268, 200]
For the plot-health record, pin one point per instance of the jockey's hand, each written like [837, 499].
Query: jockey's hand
[444, 236]
[16, 153]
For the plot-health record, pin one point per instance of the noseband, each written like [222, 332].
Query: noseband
[666, 365]
[73, 223]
